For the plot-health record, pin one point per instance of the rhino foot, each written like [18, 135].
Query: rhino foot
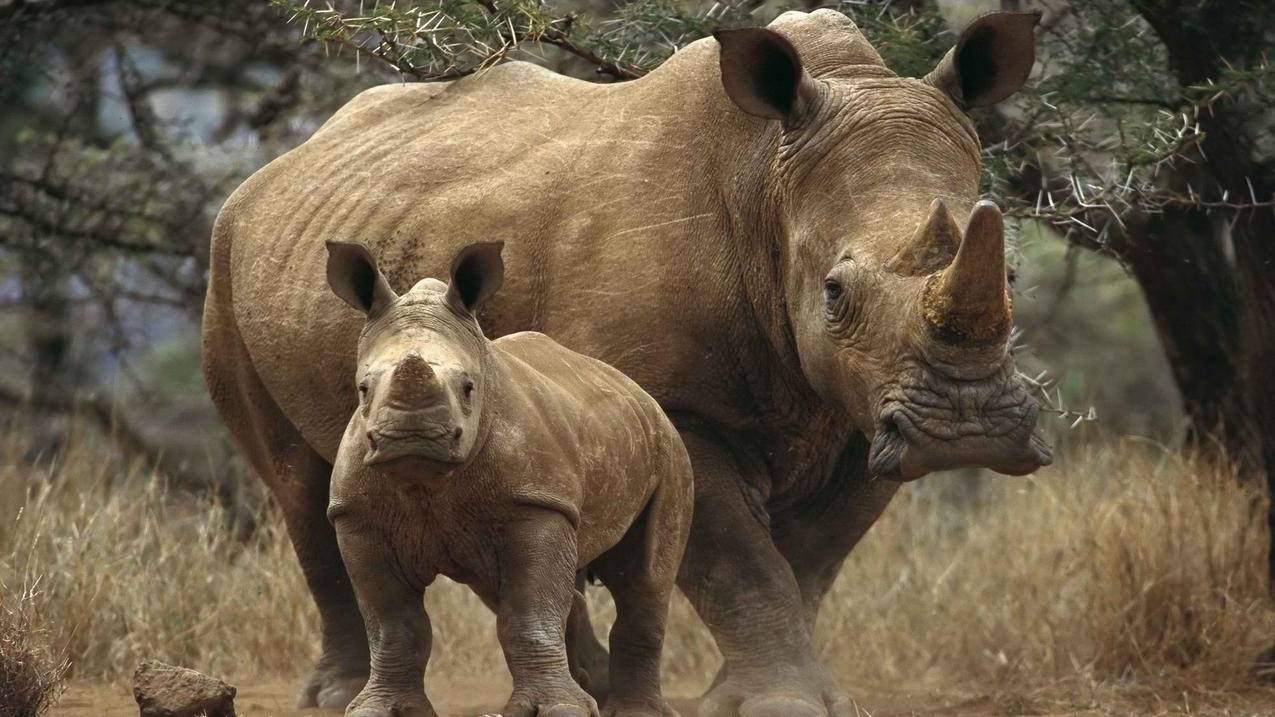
[592, 669]
[569, 701]
[659, 709]
[374, 702]
[800, 698]
[329, 689]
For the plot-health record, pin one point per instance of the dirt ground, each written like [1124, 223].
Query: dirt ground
[476, 696]
[460, 698]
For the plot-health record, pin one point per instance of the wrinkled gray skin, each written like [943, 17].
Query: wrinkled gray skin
[762, 233]
[508, 465]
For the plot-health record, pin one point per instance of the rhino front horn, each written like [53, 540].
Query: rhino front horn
[969, 300]
[412, 381]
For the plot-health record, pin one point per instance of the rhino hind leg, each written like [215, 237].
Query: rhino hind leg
[641, 572]
[298, 478]
[585, 653]
[746, 592]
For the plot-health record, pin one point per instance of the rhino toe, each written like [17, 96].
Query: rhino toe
[781, 706]
[327, 691]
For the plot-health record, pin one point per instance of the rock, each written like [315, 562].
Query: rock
[166, 691]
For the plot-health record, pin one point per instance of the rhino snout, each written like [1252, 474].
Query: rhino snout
[917, 438]
[433, 441]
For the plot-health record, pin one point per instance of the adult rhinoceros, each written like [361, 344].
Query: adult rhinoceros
[763, 233]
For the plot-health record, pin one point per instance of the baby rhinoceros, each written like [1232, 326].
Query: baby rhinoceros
[507, 465]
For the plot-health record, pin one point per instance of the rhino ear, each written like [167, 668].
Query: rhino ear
[763, 75]
[991, 61]
[354, 276]
[477, 271]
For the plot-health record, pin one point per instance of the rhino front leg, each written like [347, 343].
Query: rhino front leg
[398, 630]
[746, 593]
[537, 567]
[816, 537]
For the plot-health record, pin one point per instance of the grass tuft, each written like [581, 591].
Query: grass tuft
[31, 672]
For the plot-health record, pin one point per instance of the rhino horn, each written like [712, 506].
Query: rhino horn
[412, 380]
[932, 246]
[969, 300]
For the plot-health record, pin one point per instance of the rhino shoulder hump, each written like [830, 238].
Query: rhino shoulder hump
[376, 101]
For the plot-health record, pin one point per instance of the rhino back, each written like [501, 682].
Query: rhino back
[603, 195]
[594, 437]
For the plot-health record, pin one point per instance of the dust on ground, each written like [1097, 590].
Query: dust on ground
[458, 698]
[476, 696]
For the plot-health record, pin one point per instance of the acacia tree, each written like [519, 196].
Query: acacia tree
[1149, 139]
[106, 202]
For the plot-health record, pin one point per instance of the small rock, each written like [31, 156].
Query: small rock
[166, 691]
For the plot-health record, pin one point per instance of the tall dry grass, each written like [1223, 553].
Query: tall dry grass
[1123, 565]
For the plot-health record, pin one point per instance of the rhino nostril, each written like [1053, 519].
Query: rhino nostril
[890, 422]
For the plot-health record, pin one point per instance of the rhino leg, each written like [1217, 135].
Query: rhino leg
[745, 591]
[816, 537]
[342, 668]
[536, 590]
[640, 572]
[585, 653]
[298, 477]
[398, 630]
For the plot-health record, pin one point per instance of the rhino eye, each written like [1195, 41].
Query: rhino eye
[467, 387]
[831, 290]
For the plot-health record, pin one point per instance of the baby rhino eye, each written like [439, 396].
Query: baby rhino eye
[467, 386]
[831, 290]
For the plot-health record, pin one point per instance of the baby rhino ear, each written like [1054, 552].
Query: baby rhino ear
[353, 276]
[477, 271]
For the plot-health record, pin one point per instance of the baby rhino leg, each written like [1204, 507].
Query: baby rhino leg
[587, 656]
[640, 572]
[537, 585]
[398, 631]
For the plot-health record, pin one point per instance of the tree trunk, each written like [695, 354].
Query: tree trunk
[1179, 262]
[1202, 37]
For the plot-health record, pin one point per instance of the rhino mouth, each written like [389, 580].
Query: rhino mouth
[438, 444]
[908, 444]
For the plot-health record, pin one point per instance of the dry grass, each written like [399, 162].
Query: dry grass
[1124, 567]
[31, 670]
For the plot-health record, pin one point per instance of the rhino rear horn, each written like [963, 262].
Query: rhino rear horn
[969, 300]
[931, 247]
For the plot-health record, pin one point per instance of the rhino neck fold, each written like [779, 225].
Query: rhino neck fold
[730, 161]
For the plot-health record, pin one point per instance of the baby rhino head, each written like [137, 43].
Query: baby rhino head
[421, 356]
